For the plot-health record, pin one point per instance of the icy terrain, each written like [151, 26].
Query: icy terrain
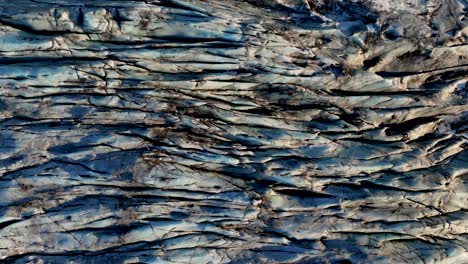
[233, 131]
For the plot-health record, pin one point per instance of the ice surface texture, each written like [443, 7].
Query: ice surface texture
[233, 131]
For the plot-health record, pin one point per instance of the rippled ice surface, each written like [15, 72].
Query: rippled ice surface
[274, 131]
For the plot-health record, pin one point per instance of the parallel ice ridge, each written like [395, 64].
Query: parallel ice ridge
[233, 131]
